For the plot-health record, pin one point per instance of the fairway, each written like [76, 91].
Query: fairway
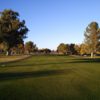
[50, 78]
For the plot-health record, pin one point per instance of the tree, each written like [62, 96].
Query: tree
[47, 51]
[92, 37]
[72, 49]
[62, 48]
[30, 47]
[44, 51]
[12, 30]
[84, 49]
[77, 48]
[3, 46]
[19, 49]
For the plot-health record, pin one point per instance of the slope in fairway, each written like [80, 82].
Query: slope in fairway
[50, 78]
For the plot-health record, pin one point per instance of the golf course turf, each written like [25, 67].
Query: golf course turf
[50, 78]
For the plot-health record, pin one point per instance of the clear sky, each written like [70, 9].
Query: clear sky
[52, 22]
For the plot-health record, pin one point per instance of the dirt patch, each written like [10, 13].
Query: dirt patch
[12, 58]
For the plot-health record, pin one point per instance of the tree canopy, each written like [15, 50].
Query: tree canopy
[12, 29]
[92, 37]
[62, 48]
[30, 47]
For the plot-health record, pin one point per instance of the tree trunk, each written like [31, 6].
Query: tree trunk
[7, 53]
[92, 54]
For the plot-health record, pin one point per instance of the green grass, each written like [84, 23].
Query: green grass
[50, 78]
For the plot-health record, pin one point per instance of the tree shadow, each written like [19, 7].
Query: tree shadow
[32, 64]
[86, 60]
[44, 73]
[35, 64]
[81, 60]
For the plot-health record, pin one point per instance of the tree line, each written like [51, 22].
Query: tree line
[13, 31]
[90, 46]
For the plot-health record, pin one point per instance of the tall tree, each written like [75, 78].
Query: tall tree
[92, 37]
[12, 30]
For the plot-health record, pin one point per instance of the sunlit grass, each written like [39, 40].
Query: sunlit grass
[12, 58]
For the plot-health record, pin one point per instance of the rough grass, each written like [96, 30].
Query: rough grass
[50, 78]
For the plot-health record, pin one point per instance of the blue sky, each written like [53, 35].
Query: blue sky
[52, 22]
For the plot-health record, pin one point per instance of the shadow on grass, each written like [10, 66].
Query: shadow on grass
[45, 73]
[86, 60]
[35, 64]
[82, 60]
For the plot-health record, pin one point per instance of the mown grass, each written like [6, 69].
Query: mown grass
[50, 78]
